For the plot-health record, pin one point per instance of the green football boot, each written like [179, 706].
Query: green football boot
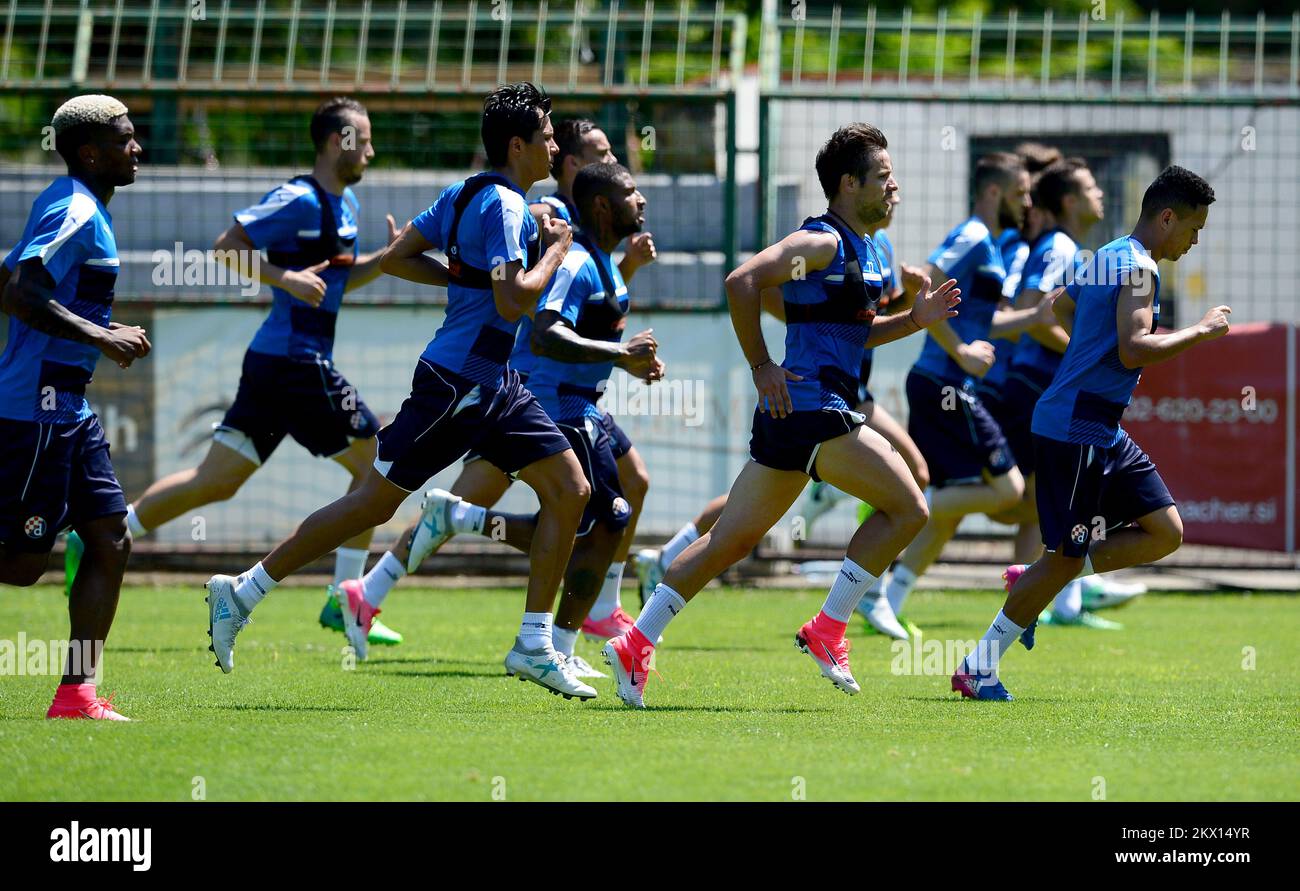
[331, 617]
[73, 549]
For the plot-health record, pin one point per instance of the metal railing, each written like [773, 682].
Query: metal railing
[371, 45]
[1087, 58]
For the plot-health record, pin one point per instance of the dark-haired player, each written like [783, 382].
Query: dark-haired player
[804, 423]
[578, 339]
[1092, 478]
[463, 395]
[580, 142]
[57, 287]
[289, 385]
[971, 467]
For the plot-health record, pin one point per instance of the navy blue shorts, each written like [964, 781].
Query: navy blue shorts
[53, 476]
[1083, 490]
[594, 448]
[445, 416]
[620, 444]
[1024, 387]
[792, 442]
[307, 400]
[954, 431]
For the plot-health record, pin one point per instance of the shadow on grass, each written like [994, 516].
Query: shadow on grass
[249, 707]
[732, 710]
[450, 673]
[194, 649]
[431, 660]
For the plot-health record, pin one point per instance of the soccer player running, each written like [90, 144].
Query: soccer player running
[289, 384]
[1067, 203]
[463, 395]
[578, 336]
[56, 286]
[803, 424]
[580, 143]
[971, 467]
[1092, 478]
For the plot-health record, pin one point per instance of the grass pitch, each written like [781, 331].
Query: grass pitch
[1194, 700]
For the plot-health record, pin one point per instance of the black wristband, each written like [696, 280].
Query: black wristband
[754, 368]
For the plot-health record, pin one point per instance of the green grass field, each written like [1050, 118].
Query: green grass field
[1161, 710]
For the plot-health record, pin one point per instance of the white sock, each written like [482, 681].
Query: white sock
[848, 588]
[535, 631]
[901, 582]
[349, 563]
[874, 590]
[608, 600]
[133, 522]
[1087, 567]
[564, 640]
[1069, 603]
[252, 586]
[996, 641]
[466, 517]
[380, 580]
[678, 543]
[658, 611]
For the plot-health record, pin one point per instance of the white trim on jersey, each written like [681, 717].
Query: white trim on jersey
[971, 233]
[574, 260]
[104, 261]
[281, 198]
[81, 209]
[513, 208]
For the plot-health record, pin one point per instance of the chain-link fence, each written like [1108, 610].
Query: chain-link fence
[719, 128]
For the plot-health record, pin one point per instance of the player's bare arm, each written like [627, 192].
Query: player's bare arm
[304, 284]
[973, 358]
[1007, 321]
[930, 308]
[514, 289]
[367, 267]
[555, 338]
[1048, 332]
[28, 296]
[1138, 347]
[771, 268]
[639, 251]
[406, 259]
[1063, 308]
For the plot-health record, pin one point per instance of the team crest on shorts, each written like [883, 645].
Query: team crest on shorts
[621, 508]
[1079, 533]
[35, 527]
[357, 420]
[996, 457]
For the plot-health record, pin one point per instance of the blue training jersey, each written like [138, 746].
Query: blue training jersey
[968, 255]
[285, 222]
[885, 251]
[43, 378]
[1014, 251]
[1092, 387]
[827, 326]
[568, 391]
[521, 357]
[474, 341]
[1050, 265]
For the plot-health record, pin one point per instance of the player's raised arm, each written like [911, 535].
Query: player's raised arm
[1139, 346]
[304, 284]
[368, 267]
[929, 308]
[405, 258]
[515, 289]
[771, 268]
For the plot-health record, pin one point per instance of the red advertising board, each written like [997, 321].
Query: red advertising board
[1215, 421]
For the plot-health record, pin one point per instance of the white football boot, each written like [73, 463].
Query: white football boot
[546, 668]
[434, 528]
[225, 620]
